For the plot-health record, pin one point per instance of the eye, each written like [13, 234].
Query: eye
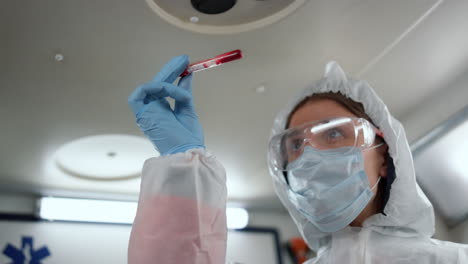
[295, 144]
[333, 135]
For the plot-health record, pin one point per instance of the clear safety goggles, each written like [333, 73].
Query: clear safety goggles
[344, 133]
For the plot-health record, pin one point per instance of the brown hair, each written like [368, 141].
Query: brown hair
[354, 107]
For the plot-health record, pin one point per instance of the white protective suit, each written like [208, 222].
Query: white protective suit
[181, 211]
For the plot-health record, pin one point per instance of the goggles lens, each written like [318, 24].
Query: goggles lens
[336, 133]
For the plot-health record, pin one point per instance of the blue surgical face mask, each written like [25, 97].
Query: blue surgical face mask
[329, 187]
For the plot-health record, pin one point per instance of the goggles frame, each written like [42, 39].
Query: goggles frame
[276, 146]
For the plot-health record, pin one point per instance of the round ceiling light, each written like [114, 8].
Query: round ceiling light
[223, 16]
[105, 157]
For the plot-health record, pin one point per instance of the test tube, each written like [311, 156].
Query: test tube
[216, 61]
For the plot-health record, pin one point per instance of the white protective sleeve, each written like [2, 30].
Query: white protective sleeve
[181, 216]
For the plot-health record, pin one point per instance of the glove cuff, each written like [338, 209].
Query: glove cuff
[181, 149]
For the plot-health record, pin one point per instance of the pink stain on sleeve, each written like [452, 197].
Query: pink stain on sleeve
[173, 229]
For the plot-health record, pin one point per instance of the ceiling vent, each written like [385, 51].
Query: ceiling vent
[223, 16]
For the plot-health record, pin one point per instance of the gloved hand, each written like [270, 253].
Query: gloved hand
[170, 130]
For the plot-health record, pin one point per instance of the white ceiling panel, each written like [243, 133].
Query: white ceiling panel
[426, 60]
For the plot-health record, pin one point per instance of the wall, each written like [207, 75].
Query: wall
[17, 203]
[70, 243]
[74, 243]
[104, 243]
[280, 220]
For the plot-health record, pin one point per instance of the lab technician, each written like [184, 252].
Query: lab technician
[340, 164]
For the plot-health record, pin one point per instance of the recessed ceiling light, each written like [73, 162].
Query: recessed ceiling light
[105, 157]
[194, 19]
[260, 89]
[58, 57]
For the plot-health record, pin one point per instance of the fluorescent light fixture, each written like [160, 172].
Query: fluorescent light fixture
[237, 218]
[117, 212]
[85, 210]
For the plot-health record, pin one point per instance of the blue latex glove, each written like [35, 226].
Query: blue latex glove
[170, 130]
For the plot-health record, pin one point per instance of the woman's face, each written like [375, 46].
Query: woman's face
[374, 159]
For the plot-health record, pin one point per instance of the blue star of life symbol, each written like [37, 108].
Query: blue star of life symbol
[26, 254]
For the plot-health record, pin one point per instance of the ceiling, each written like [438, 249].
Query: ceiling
[410, 52]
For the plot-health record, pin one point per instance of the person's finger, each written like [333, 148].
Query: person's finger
[186, 82]
[185, 111]
[136, 99]
[151, 91]
[172, 70]
[146, 118]
[169, 73]
[158, 90]
[175, 92]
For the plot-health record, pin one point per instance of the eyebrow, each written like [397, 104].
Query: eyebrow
[295, 133]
